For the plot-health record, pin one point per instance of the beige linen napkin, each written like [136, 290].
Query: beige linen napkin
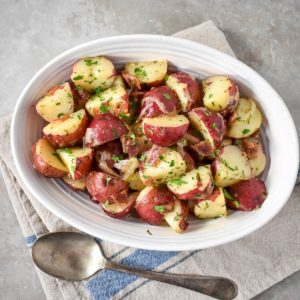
[256, 262]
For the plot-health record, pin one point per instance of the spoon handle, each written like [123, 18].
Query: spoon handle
[217, 287]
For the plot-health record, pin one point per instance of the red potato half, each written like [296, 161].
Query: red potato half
[160, 164]
[57, 102]
[186, 88]
[221, 94]
[247, 195]
[135, 142]
[159, 101]
[165, 130]
[68, 130]
[177, 219]
[211, 125]
[119, 209]
[114, 100]
[77, 185]
[46, 161]
[103, 128]
[77, 160]
[212, 206]
[247, 121]
[194, 185]
[149, 73]
[79, 95]
[91, 73]
[103, 187]
[230, 166]
[152, 204]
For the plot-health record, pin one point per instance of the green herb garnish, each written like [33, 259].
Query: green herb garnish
[90, 62]
[159, 208]
[172, 163]
[167, 96]
[177, 181]
[245, 131]
[78, 77]
[139, 72]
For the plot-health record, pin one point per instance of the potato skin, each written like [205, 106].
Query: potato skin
[162, 135]
[249, 194]
[80, 96]
[83, 166]
[104, 128]
[159, 101]
[43, 167]
[192, 92]
[68, 139]
[212, 125]
[103, 187]
[150, 198]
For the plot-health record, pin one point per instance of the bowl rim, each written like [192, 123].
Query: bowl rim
[69, 218]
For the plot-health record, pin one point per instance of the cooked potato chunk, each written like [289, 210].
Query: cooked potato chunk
[247, 195]
[152, 204]
[231, 166]
[77, 160]
[119, 82]
[160, 165]
[186, 88]
[248, 120]
[165, 130]
[178, 217]
[194, 185]
[68, 130]
[220, 94]
[93, 73]
[114, 100]
[135, 182]
[212, 206]
[127, 167]
[211, 125]
[46, 161]
[150, 73]
[119, 209]
[75, 184]
[57, 102]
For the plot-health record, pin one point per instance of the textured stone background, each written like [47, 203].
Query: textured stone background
[263, 33]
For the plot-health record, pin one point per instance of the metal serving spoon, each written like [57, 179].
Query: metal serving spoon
[76, 256]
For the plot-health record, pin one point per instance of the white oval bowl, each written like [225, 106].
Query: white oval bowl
[199, 60]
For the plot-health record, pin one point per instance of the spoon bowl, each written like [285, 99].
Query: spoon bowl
[76, 256]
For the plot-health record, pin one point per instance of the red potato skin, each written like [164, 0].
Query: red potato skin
[156, 197]
[212, 197]
[250, 194]
[192, 136]
[68, 139]
[80, 96]
[188, 158]
[43, 167]
[164, 136]
[104, 128]
[202, 149]
[126, 211]
[134, 83]
[166, 97]
[184, 224]
[252, 147]
[83, 166]
[214, 122]
[103, 189]
[193, 89]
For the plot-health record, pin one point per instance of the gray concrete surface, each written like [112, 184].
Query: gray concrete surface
[263, 33]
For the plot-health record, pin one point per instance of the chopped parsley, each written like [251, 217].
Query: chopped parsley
[159, 208]
[214, 126]
[139, 72]
[124, 116]
[225, 162]
[245, 131]
[104, 109]
[149, 232]
[236, 203]
[117, 158]
[108, 179]
[227, 195]
[178, 181]
[60, 115]
[210, 95]
[98, 90]
[78, 77]
[172, 163]
[106, 203]
[58, 103]
[79, 116]
[206, 205]
[55, 154]
[207, 113]
[167, 96]
[176, 218]
[143, 157]
[90, 62]
[68, 150]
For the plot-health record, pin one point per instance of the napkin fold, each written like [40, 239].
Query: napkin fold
[255, 262]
